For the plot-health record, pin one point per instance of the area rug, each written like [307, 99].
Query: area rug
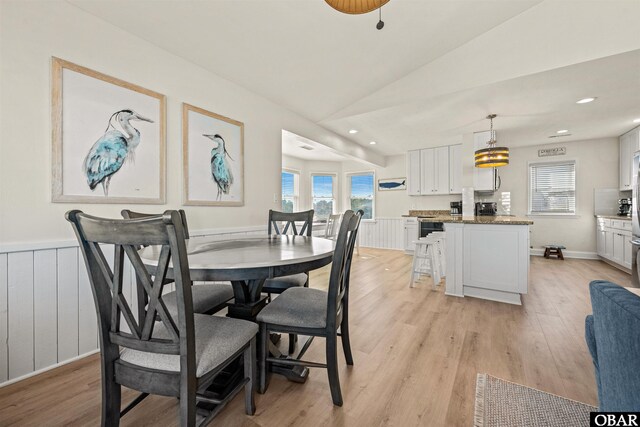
[501, 403]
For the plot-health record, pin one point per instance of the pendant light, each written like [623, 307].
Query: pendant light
[358, 7]
[492, 156]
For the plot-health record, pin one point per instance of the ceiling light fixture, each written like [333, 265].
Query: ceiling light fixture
[585, 100]
[492, 156]
[358, 7]
[562, 131]
[636, 120]
[373, 143]
[352, 131]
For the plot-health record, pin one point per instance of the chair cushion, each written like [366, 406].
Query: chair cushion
[280, 284]
[217, 339]
[205, 298]
[300, 307]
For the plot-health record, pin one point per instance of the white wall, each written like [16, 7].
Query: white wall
[31, 32]
[597, 166]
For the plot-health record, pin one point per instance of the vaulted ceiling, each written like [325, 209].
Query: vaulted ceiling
[432, 74]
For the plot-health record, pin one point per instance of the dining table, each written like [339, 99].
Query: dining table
[246, 262]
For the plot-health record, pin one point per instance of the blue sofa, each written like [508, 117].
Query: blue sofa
[613, 336]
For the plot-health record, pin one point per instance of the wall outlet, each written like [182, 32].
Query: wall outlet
[275, 197]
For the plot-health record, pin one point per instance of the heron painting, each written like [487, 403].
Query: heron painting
[220, 170]
[213, 158]
[116, 146]
[108, 138]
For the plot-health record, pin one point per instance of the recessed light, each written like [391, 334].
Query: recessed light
[585, 100]
[636, 120]
[353, 131]
[562, 131]
[372, 143]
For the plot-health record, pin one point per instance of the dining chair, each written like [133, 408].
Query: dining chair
[315, 313]
[332, 227]
[207, 299]
[294, 223]
[171, 354]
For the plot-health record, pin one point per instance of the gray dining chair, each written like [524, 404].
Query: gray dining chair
[294, 223]
[171, 354]
[315, 313]
[207, 299]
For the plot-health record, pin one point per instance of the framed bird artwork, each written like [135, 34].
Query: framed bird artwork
[108, 138]
[213, 156]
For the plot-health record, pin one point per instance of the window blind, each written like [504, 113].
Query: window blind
[552, 188]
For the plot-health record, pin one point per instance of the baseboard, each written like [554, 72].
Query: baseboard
[48, 368]
[567, 254]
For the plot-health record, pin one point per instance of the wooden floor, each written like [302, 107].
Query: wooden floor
[416, 351]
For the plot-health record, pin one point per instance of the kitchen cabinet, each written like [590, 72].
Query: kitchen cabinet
[455, 169]
[411, 233]
[484, 179]
[629, 144]
[428, 171]
[613, 241]
[413, 172]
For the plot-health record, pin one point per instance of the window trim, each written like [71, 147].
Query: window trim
[347, 194]
[296, 187]
[334, 175]
[575, 189]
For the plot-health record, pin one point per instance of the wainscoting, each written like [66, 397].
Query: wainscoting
[385, 233]
[47, 314]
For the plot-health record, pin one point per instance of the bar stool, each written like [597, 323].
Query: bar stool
[426, 260]
[442, 250]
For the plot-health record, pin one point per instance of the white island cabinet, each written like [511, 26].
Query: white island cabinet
[488, 257]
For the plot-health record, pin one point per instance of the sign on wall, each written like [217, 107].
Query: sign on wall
[558, 151]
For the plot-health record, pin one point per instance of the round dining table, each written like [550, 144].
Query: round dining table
[247, 262]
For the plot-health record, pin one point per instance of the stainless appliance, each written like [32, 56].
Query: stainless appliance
[635, 218]
[427, 226]
[456, 208]
[486, 208]
[624, 207]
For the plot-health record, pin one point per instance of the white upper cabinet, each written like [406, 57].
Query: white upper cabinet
[629, 144]
[413, 172]
[455, 169]
[483, 178]
[428, 171]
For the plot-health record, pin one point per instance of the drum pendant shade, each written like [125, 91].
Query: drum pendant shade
[356, 7]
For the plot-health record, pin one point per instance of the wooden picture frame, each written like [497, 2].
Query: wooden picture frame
[213, 158]
[98, 155]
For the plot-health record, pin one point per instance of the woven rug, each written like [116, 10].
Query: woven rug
[506, 404]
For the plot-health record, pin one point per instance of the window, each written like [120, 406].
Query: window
[322, 195]
[552, 188]
[361, 193]
[290, 192]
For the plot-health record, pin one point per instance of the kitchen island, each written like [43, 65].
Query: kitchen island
[487, 257]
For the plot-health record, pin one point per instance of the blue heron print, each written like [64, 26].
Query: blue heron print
[111, 150]
[220, 170]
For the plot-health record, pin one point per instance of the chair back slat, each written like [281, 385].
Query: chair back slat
[341, 265]
[281, 222]
[112, 305]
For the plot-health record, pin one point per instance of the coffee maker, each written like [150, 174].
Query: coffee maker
[624, 207]
[456, 208]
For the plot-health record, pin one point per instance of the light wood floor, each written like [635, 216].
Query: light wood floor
[416, 351]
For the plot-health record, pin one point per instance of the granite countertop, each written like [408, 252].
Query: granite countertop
[623, 218]
[443, 216]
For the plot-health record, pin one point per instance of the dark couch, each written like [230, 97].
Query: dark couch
[613, 336]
